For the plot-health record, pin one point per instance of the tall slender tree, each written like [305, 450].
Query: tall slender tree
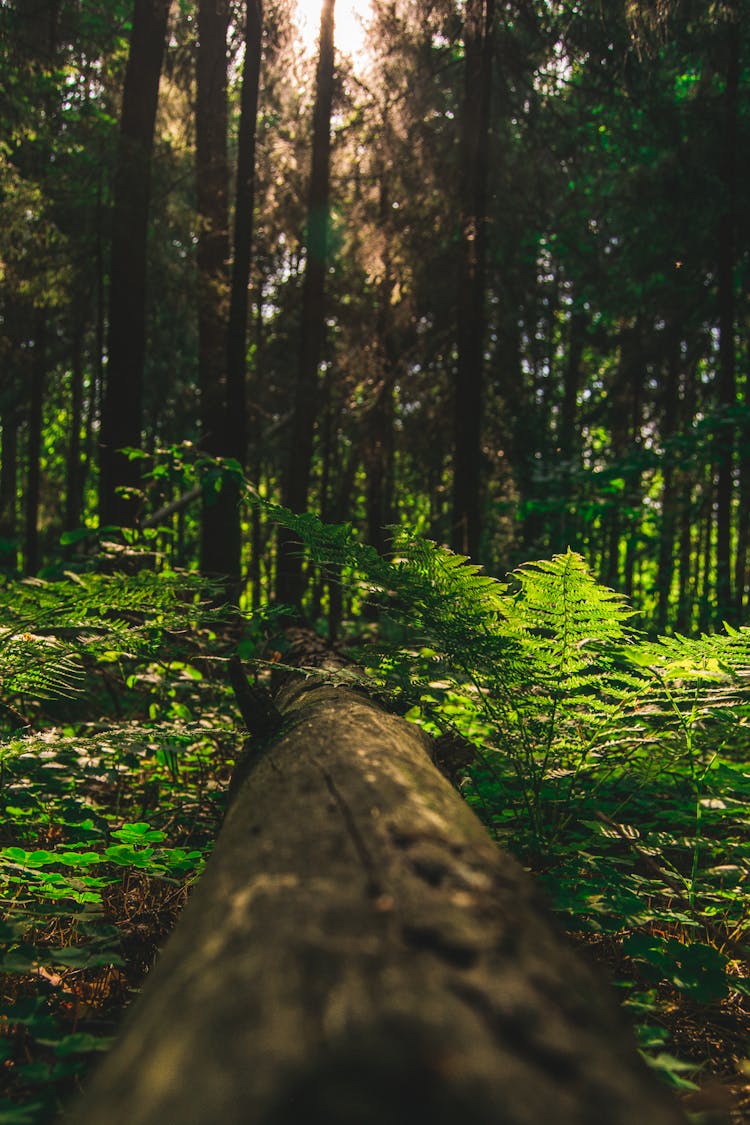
[726, 375]
[236, 372]
[212, 187]
[8, 488]
[39, 360]
[296, 481]
[122, 406]
[73, 467]
[475, 125]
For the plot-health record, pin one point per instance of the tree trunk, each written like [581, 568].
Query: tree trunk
[96, 397]
[378, 457]
[9, 491]
[742, 550]
[378, 445]
[568, 435]
[123, 398]
[688, 566]
[360, 952]
[243, 236]
[13, 357]
[475, 127]
[31, 558]
[73, 467]
[727, 391]
[339, 510]
[625, 427]
[689, 485]
[668, 527]
[225, 392]
[259, 532]
[704, 561]
[220, 519]
[256, 547]
[289, 581]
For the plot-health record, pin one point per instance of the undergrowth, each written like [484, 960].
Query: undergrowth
[115, 739]
[615, 766]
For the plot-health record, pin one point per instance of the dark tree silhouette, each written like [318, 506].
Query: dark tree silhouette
[123, 398]
[296, 481]
[475, 125]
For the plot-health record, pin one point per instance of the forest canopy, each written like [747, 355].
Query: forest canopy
[476, 269]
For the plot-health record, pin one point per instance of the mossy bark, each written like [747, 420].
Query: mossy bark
[359, 952]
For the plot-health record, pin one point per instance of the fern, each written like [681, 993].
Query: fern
[576, 719]
[48, 628]
[542, 673]
[700, 692]
[40, 666]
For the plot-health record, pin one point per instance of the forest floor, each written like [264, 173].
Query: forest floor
[709, 1040]
[104, 824]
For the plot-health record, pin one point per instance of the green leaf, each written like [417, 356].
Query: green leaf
[126, 856]
[696, 969]
[673, 1069]
[82, 957]
[78, 859]
[12, 1114]
[139, 833]
[80, 1042]
[69, 538]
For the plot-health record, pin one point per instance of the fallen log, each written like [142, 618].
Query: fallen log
[359, 952]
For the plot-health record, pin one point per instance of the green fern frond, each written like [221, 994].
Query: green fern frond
[716, 657]
[434, 574]
[565, 610]
[543, 670]
[39, 666]
[328, 544]
[47, 627]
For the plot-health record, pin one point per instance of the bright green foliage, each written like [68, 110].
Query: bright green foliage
[93, 815]
[46, 628]
[618, 766]
[538, 663]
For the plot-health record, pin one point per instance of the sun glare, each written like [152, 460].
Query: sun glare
[350, 21]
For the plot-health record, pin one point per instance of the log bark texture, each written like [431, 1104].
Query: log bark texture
[359, 952]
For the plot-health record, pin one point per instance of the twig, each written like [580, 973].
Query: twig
[174, 506]
[259, 712]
